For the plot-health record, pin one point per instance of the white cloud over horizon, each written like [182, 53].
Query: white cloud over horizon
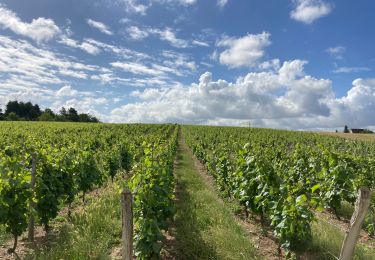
[286, 98]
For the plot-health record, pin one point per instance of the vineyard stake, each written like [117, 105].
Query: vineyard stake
[32, 203]
[361, 206]
[127, 224]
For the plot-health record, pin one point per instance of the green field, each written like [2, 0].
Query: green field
[251, 187]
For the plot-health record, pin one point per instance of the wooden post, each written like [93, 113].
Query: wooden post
[127, 224]
[32, 203]
[361, 206]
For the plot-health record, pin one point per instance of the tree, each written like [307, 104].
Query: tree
[34, 112]
[12, 117]
[12, 106]
[84, 118]
[47, 115]
[94, 119]
[87, 118]
[346, 129]
[26, 111]
[367, 131]
[1, 115]
[73, 115]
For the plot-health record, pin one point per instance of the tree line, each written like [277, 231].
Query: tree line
[20, 111]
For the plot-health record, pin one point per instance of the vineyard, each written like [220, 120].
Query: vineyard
[69, 160]
[282, 177]
[285, 176]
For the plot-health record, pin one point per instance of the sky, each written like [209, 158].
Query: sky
[294, 64]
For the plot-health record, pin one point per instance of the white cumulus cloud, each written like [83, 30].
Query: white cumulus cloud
[286, 98]
[286, 93]
[40, 29]
[307, 11]
[243, 51]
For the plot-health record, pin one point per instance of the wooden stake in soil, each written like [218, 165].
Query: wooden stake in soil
[127, 224]
[361, 206]
[32, 204]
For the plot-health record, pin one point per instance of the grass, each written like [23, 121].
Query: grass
[90, 233]
[4, 236]
[327, 241]
[205, 227]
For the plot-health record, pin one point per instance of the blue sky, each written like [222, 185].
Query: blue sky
[298, 64]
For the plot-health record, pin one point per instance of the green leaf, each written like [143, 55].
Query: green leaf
[315, 187]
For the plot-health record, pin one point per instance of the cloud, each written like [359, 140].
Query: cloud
[85, 46]
[222, 3]
[40, 29]
[177, 60]
[26, 68]
[244, 51]
[307, 11]
[83, 104]
[286, 98]
[170, 36]
[179, 2]
[132, 6]
[200, 43]
[355, 109]
[188, 2]
[137, 68]
[167, 34]
[255, 96]
[122, 52]
[270, 65]
[136, 33]
[351, 69]
[173, 63]
[67, 96]
[74, 74]
[337, 52]
[100, 26]
[95, 47]
[66, 91]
